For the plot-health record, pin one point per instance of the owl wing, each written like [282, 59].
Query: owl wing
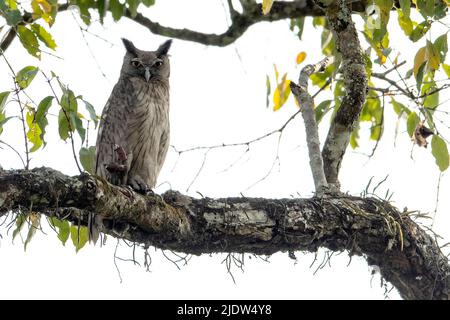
[163, 148]
[111, 134]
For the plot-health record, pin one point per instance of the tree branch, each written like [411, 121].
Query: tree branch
[26, 19]
[306, 103]
[355, 83]
[407, 257]
[240, 22]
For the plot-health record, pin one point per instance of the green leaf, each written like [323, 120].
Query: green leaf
[440, 152]
[3, 99]
[441, 46]
[20, 223]
[319, 79]
[3, 119]
[266, 6]
[419, 31]
[425, 7]
[133, 6]
[11, 3]
[12, 17]
[405, 5]
[399, 108]
[433, 56]
[43, 107]
[87, 159]
[25, 76]
[29, 41]
[41, 115]
[405, 22]
[319, 22]
[63, 229]
[34, 131]
[43, 35]
[63, 125]
[430, 101]
[90, 108]
[78, 125]
[446, 69]
[385, 7]
[440, 10]
[35, 220]
[84, 6]
[45, 9]
[322, 109]
[117, 9]
[328, 42]
[101, 7]
[300, 24]
[412, 122]
[79, 236]
[376, 131]
[148, 3]
[354, 137]
[419, 77]
[68, 101]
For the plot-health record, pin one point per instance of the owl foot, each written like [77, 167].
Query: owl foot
[138, 184]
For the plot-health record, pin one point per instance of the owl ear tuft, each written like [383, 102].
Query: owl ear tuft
[129, 46]
[164, 48]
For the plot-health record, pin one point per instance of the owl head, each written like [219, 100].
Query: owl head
[150, 66]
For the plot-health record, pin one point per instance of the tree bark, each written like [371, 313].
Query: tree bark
[339, 16]
[406, 255]
[306, 104]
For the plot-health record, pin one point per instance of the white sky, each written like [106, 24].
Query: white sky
[217, 95]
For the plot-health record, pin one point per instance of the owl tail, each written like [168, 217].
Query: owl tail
[94, 224]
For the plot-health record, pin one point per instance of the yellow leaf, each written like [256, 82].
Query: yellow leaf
[266, 6]
[42, 9]
[80, 115]
[281, 93]
[277, 74]
[301, 57]
[432, 56]
[419, 59]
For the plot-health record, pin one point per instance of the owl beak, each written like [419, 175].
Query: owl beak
[147, 74]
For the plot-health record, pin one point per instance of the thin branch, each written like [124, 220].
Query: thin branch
[49, 81]
[438, 188]
[17, 152]
[24, 128]
[306, 103]
[115, 261]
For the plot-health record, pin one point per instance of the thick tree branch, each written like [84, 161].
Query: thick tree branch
[240, 22]
[407, 257]
[355, 83]
[251, 15]
[306, 103]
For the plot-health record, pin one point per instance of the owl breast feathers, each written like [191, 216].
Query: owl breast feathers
[133, 136]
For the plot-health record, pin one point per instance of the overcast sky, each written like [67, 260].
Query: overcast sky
[217, 96]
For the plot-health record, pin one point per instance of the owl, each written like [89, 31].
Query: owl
[133, 136]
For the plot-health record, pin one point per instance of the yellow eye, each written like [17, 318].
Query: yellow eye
[158, 64]
[135, 63]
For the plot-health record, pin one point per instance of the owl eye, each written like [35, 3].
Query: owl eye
[135, 63]
[158, 64]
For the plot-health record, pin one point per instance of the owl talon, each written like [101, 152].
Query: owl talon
[138, 185]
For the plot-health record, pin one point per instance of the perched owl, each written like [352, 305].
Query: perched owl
[133, 136]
